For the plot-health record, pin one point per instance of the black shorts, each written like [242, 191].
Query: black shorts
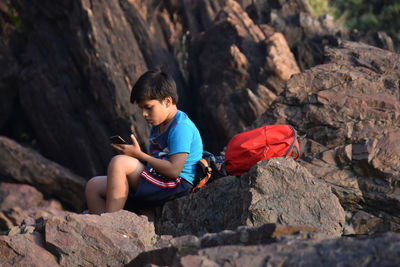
[155, 189]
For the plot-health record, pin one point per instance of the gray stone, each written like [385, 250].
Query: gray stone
[186, 245]
[274, 191]
[374, 251]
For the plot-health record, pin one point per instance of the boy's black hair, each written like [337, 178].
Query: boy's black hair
[154, 84]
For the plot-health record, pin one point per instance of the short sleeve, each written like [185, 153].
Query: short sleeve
[180, 139]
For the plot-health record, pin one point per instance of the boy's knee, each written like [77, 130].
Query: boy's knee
[92, 185]
[121, 161]
[89, 186]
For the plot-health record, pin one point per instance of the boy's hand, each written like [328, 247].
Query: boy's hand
[129, 150]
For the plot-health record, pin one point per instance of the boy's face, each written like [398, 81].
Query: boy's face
[154, 111]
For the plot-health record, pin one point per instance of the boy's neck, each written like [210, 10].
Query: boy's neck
[170, 117]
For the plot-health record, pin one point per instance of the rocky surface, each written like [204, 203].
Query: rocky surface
[25, 250]
[112, 239]
[19, 164]
[253, 63]
[306, 34]
[348, 112]
[319, 251]
[65, 78]
[273, 191]
[79, 61]
[109, 239]
[23, 205]
[83, 78]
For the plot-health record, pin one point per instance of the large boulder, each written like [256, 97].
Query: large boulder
[19, 164]
[278, 190]
[78, 66]
[110, 239]
[347, 112]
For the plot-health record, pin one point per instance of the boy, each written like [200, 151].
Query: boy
[174, 149]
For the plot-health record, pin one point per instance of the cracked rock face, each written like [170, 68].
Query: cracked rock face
[274, 191]
[348, 114]
[112, 239]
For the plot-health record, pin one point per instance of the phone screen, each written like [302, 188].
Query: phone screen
[116, 139]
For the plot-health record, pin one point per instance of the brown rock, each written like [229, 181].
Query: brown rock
[109, 239]
[19, 195]
[349, 110]
[249, 67]
[280, 59]
[23, 165]
[307, 35]
[25, 250]
[362, 223]
[23, 204]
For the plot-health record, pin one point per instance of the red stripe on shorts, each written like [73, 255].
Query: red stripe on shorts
[160, 183]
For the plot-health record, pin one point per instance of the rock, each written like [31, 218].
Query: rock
[274, 191]
[23, 205]
[379, 250]
[276, 250]
[5, 224]
[362, 223]
[109, 239]
[249, 69]
[186, 245]
[25, 250]
[355, 150]
[8, 84]
[23, 165]
[306, 34]
[84, 78]
[17, 195]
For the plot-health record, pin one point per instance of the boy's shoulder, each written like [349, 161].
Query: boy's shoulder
[183, 119]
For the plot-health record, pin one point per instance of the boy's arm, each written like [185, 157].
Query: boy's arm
[170, 168]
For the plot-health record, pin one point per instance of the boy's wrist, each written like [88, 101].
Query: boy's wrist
[143, 156]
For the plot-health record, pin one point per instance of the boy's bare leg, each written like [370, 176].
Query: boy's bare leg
[123, 171]
[95, 192]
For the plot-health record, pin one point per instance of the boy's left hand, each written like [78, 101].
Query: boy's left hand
[132, 150]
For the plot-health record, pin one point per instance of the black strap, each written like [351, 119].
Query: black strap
[293, 142]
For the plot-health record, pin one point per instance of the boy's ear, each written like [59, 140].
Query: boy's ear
[168, 101]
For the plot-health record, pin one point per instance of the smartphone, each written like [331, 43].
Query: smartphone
[116, 139]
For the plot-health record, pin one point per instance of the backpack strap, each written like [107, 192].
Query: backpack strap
[293, 143]
[207, 169]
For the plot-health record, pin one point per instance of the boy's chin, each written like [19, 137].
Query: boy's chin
[152, 123]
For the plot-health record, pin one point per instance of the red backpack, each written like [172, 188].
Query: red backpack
[245, 149]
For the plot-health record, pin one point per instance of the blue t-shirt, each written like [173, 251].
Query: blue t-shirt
[181, 136]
